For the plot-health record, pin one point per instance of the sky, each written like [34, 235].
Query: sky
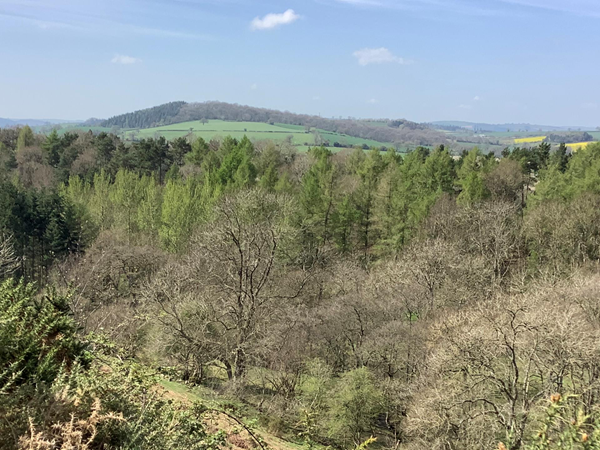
[492, 61]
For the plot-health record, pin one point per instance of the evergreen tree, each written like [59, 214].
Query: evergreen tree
[150, 207]
[317, 197]
[184, 207]
[364, 197]
[269, 179]
[53, 147]
[125, 194]
[470, 178]
[199, 150]
[178, 150]
[106, 148]
[560, 158]
[26, 138]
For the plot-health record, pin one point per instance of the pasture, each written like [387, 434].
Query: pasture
[256, 131]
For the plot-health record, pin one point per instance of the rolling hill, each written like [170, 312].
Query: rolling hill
[505, 127]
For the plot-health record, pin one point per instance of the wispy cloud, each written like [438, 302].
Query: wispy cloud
[125, 60]
[589, 8]
[89, 23]
[372, 101]
[271, 21]
[362, 2]
[158, 32]
[254, 86]
[477, 98]
[465, 106]
[380, 55]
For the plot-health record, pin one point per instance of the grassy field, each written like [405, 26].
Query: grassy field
[254, 130]
[595, 134]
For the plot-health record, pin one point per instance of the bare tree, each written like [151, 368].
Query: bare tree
[492, 366]
[243, 270]
[9, 261]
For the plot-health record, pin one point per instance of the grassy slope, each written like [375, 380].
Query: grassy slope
[182, 393]
[254, 130]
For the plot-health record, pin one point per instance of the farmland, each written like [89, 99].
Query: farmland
[530, 140]
[577, 145]
[256, 131]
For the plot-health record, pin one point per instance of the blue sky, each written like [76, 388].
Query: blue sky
[479, 60]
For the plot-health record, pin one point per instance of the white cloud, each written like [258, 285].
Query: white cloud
[124, 59]
[372, 101]
[254, 86]
[465, 106]
[316, 98]
[380, 55]
[477, 98]
[271, 21]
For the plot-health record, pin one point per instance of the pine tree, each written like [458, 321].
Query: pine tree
[317, 197]
[470, 178]
[199, 150]
[150, 207]
[269, 179]
[125, 195]
[26, 138]
[184, 207]
[53, 147]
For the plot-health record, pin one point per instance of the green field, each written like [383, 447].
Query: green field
[254, 130]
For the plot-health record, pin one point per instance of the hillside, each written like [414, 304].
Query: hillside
[396, 132]
[256, 131]
[5, 123]
[503, 127]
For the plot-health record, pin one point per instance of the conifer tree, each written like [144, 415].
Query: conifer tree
[26, 138]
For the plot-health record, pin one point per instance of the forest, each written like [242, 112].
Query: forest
[360, 299]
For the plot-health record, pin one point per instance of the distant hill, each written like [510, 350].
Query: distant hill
[511, 127]
[396, 131]
[32, 122]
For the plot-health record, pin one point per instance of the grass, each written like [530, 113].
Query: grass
[529, 140]
[184, 394]
[254, 130]
[595, 134]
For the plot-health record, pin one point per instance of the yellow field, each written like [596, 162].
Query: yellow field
[577, 145]
[529, 140]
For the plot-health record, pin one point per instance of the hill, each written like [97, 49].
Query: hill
[6, 123]
[503, 127]
[396, 132]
